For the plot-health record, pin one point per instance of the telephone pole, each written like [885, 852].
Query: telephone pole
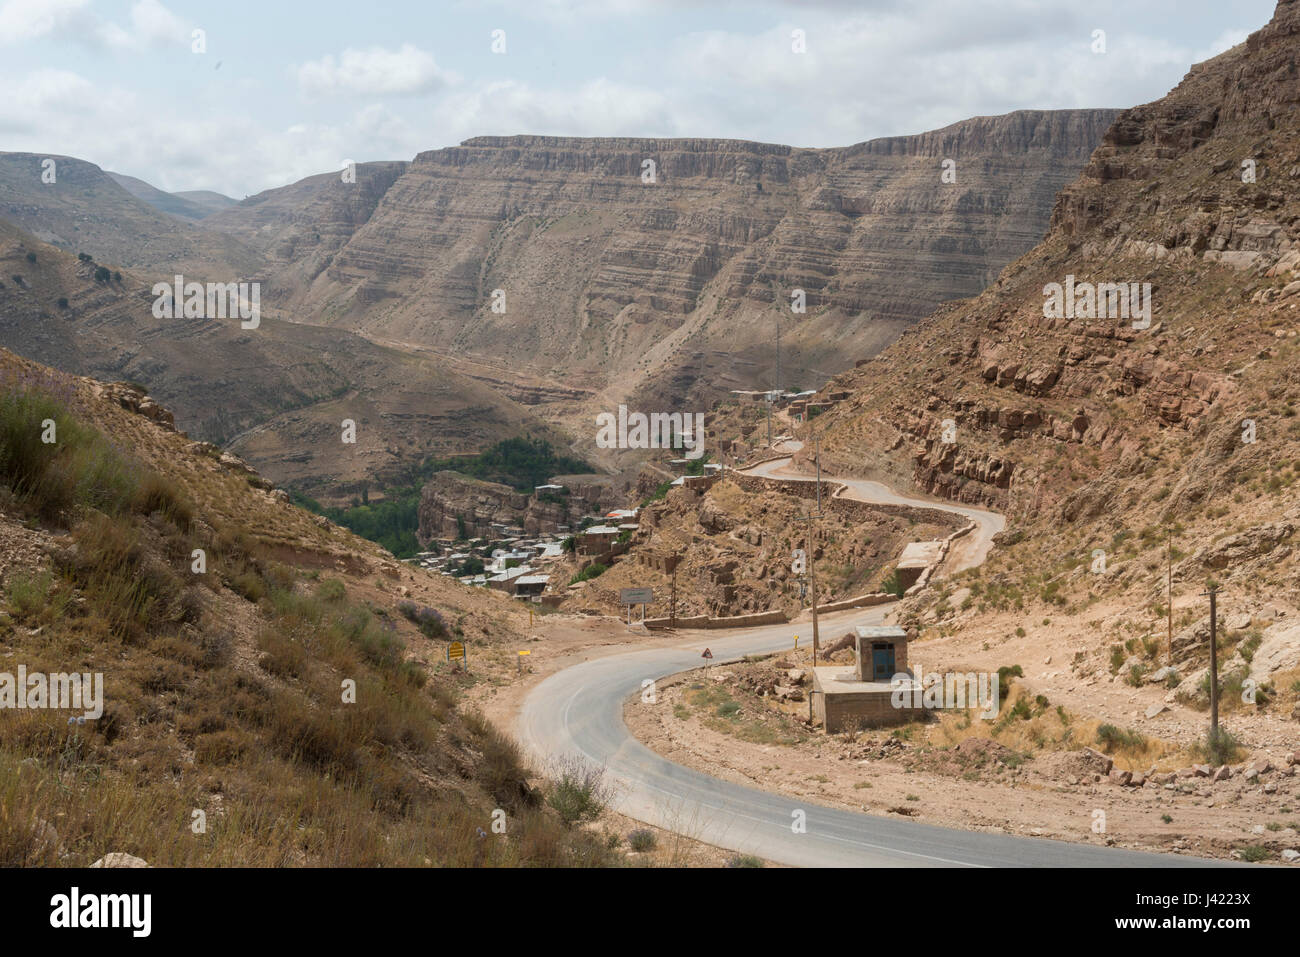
[1213, 592]
[1169, 569]
[778, 352]
[672, 601]
[817, 457]
[811, 518]
[812, 578]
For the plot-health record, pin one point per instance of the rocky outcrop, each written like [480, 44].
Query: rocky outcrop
[1191, 201]
[453, 505]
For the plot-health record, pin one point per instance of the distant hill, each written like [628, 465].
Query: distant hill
[191, 206]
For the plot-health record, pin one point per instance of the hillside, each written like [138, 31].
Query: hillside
[277, 394]
[86, 210]
[191, 207]
[1115, 450]
[225, 687]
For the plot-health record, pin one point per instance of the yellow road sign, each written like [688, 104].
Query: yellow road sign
[456, 651]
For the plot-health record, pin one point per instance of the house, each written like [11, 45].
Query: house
[506, 580]
[527, 586]
[596, 539]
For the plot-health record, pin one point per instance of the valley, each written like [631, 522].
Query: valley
[616, 501]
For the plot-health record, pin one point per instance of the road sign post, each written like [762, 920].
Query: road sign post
[636, 596]
[456, 652]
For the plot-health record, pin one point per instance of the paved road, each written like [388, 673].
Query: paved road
[967, 552]
[579, 711]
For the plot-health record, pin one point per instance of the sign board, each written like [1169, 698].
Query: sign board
[456, 651]
[636, 596]
[525, 652]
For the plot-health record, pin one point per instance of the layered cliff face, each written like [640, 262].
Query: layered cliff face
[661, 268]
[299, 229]
[277, 395]
[1105, 427]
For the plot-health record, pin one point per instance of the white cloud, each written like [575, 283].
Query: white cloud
[406, 71]
[154, 25]
[151, 24]
[24, 20]
[597, 108]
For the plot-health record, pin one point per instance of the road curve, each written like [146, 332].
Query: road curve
[967, 552]
[579, 712]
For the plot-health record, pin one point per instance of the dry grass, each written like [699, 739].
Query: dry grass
[292, 715]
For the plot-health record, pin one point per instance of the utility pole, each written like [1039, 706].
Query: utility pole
[778, 352]
[811, 518]
[812, 577]
[1169, 567]
[1213, 592]
[817, 457]
[672, 606]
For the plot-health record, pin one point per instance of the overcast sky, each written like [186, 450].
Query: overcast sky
[288, 89]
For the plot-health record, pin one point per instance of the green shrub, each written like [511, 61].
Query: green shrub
[892, 585]
[1218, 748]
[29, 592]
[642, 839]
[1005, 674]
[577, 791]
[594, 570]
[1112, 737]
[79, 468]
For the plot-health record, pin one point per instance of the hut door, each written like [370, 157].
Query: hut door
[882, 662]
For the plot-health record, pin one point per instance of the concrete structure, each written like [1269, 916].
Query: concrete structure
[916, 558]
[861, 696]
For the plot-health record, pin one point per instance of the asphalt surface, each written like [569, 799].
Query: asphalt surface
[579, 712]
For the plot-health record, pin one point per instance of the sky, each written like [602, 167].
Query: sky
[272, 91]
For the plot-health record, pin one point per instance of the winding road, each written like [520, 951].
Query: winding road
[579, 712]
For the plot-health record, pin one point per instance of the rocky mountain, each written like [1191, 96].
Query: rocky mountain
[1124, 432]
[78, 207]
[662, 268]
[665, 292]
[277, 394]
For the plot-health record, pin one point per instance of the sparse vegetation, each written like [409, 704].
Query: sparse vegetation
[312, 776]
